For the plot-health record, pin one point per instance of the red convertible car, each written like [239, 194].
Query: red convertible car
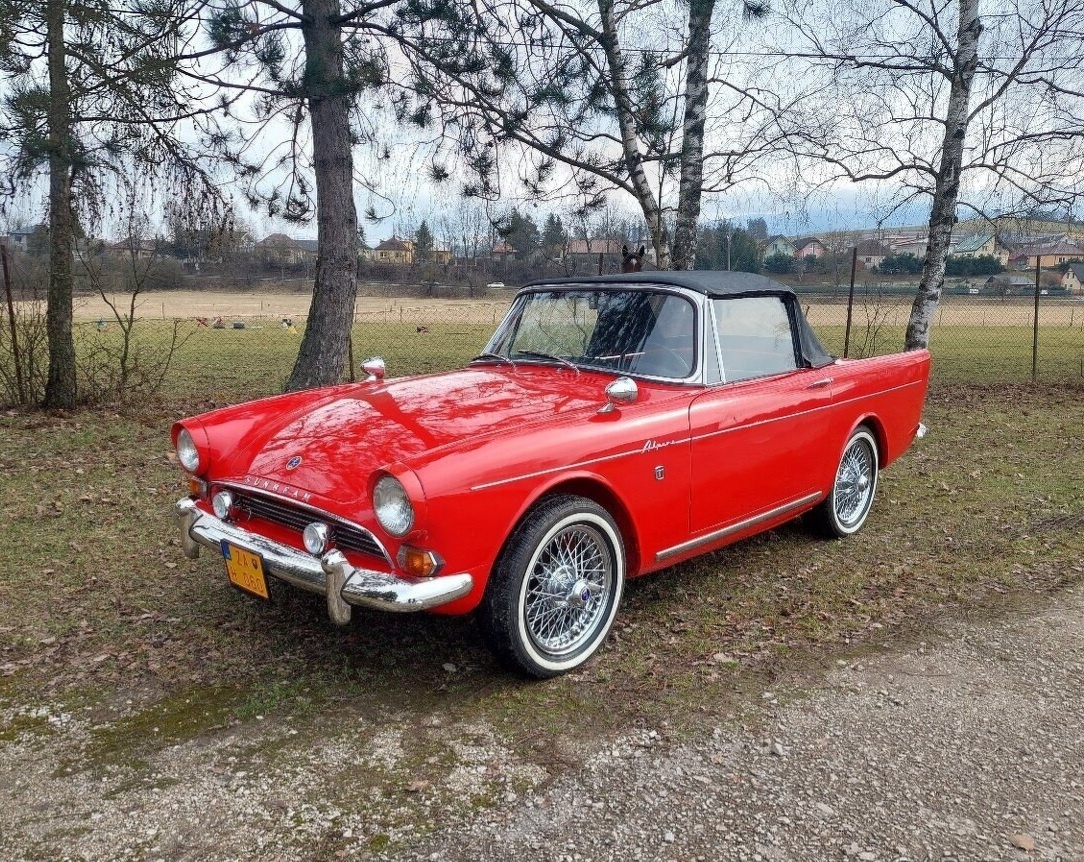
[612, 427]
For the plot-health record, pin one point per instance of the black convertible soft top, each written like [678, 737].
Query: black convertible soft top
[703, 281]
[712, 283]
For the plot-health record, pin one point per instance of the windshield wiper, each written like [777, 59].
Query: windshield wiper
[489, 355]
[538, 354]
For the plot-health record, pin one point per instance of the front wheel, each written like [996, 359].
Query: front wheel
[554, 593]
[845, 510]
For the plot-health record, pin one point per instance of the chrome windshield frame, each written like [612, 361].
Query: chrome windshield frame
[703, 336]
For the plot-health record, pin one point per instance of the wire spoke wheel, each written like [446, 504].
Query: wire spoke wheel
[566, 589]
[554, 593]
[855, 482]
[848, 504]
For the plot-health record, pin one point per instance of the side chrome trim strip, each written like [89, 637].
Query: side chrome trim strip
[538, 473]
[832, 405]
[692, 439]
[738, 527]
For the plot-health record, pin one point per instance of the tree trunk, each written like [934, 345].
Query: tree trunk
[947, 184]
[690, 189]
[60, 386]
[660, 234]
[323, 352]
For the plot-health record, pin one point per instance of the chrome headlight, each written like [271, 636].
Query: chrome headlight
[187, 453]
[392, 506]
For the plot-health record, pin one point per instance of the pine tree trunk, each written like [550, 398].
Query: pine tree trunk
[323, 352]
[60, 386]
[690, 189]
[947, 184]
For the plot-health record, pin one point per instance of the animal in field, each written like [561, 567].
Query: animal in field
[632, 261]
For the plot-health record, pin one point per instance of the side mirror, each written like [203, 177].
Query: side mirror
[622, 391]
[374, 367]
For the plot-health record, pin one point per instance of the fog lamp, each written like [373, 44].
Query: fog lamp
[222, 503]
[419, 563]
[315, 538]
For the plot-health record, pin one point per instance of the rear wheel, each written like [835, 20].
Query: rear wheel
[554, 593]
[845, 510]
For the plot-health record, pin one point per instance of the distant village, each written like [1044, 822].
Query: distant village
[998, 257]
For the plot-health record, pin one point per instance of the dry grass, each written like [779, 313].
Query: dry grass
[101, 616]
[97, 602]
[98, 607]
[272, 306]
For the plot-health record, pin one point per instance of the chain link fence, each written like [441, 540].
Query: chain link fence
[213, 347]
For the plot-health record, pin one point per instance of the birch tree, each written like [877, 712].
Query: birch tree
[969, 106]
[598, 96]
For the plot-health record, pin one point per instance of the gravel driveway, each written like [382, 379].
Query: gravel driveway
[970, 747]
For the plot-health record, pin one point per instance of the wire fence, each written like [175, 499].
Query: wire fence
[216, 347]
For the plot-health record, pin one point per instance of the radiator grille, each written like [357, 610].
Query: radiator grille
[343, 536]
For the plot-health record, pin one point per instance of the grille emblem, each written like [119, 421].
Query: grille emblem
[293, 463]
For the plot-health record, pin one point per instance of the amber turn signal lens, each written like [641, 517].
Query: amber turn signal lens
[197, 488]
[418, 563]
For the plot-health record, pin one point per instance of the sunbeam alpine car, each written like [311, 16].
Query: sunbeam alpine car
[612, 427]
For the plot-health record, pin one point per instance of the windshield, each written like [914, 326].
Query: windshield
[642, 332]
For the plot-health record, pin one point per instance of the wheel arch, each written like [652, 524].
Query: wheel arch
[877, 429]
[598, 491]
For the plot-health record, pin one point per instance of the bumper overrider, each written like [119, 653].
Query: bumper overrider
[330, 575]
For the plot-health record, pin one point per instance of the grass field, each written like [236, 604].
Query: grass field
[97, 602]
[232, 364]
[101, 616]
[973, 340]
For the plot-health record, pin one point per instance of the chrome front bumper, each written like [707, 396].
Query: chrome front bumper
[330, 575]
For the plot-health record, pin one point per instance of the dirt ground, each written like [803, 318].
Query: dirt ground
[965, 746]
[180, 304]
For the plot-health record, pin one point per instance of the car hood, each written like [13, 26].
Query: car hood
[329, 445]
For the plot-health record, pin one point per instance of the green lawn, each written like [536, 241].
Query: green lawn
[235, 364]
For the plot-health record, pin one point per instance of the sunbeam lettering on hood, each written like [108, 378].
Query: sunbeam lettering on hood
[278, 489]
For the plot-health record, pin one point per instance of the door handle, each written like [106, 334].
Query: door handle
[820, 384]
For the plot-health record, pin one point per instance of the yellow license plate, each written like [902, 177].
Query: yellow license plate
[245, 570]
